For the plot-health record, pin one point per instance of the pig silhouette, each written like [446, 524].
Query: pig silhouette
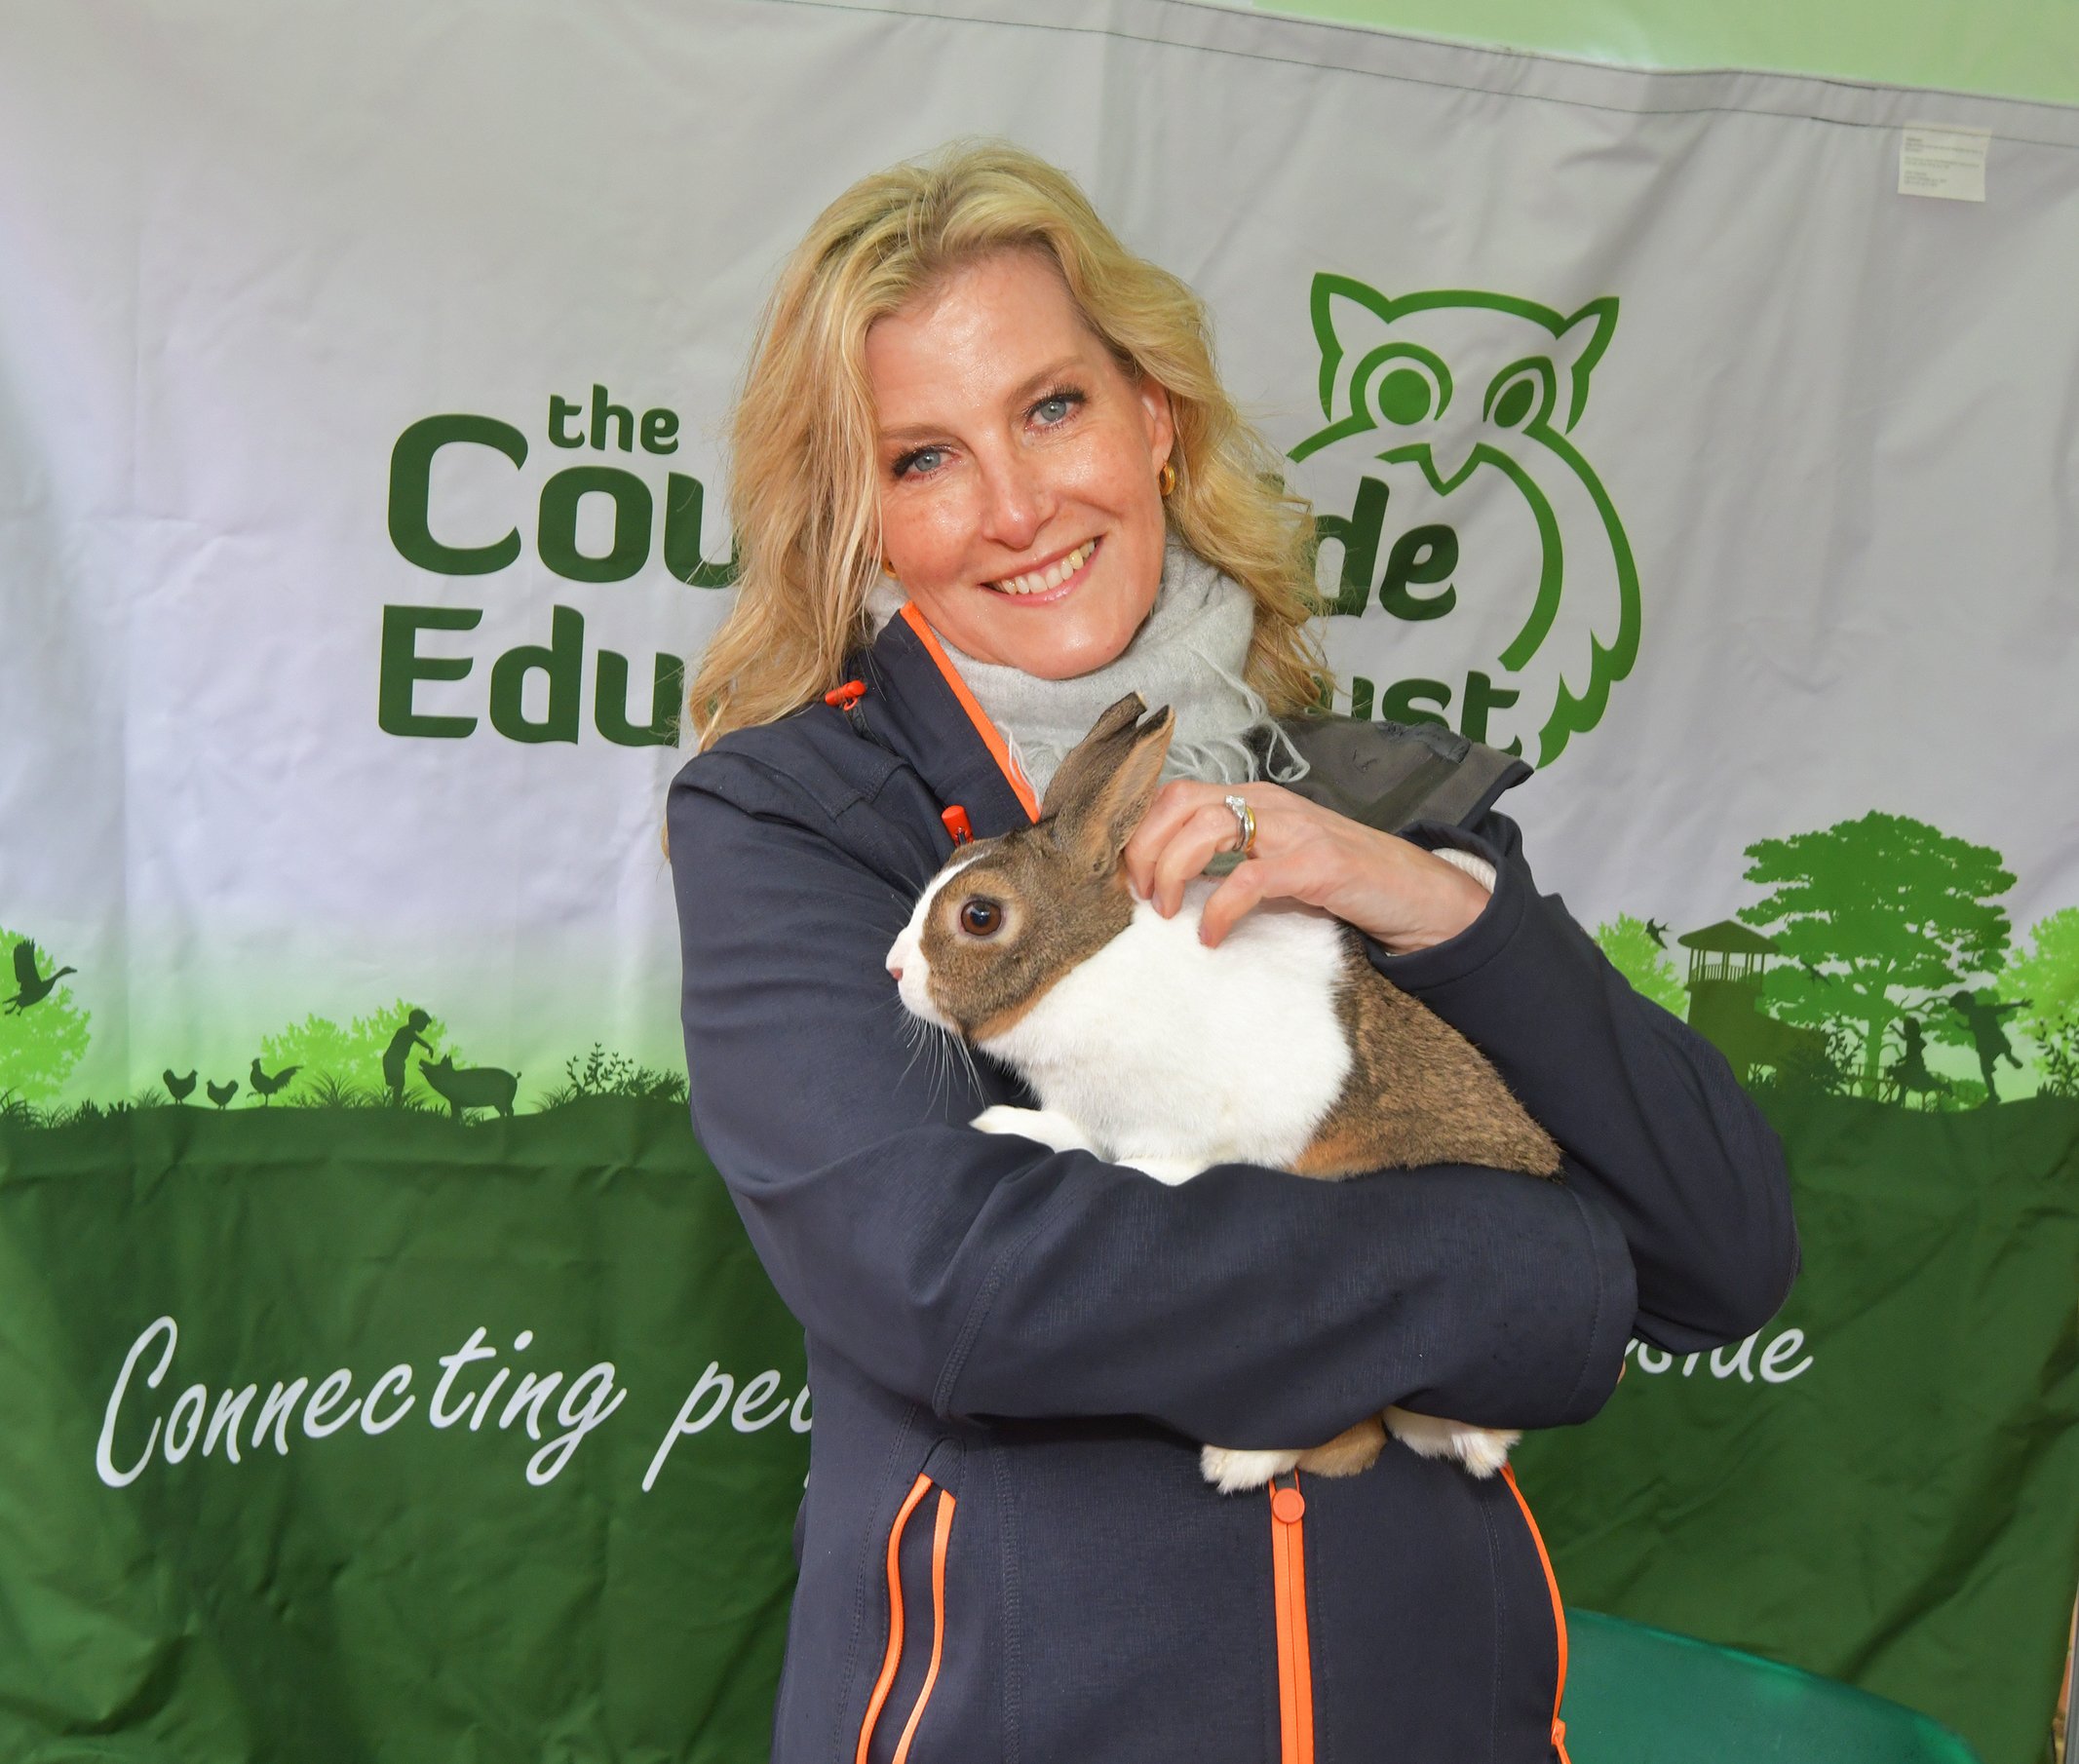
[473, 1087]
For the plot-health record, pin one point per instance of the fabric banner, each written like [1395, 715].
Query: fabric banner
[386, 1370]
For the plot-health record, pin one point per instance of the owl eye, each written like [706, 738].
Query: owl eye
[1411, 390]
[1521, 392]
[980, 917]
[1406, 395]
[1403, 383]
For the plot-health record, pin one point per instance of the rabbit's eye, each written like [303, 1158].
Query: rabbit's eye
[980, 918]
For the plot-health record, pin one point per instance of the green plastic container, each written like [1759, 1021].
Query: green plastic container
[1643, 1696]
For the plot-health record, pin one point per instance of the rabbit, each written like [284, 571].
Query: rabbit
[1282, 1046]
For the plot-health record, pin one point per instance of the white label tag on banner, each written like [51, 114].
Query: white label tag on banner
[1948, 163]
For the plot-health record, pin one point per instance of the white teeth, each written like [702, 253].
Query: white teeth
[1038, 581]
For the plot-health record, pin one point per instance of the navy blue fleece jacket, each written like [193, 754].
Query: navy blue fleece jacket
[1015, 1353]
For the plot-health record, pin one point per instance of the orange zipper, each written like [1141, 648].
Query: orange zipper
[1558, 1616]
[1295, 1660]
[1295, 1665]
[941, 1534]
[892, 1660]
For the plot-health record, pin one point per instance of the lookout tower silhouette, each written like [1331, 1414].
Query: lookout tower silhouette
[1728, 964]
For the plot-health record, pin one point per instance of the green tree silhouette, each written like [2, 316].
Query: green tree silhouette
[2047, 975]
[352, 1058]
[2047, 972]
[1644, 961]
[1872, 909]
[41, 1045]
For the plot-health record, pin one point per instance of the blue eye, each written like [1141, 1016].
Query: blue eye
[921, 460]
[1056, 406]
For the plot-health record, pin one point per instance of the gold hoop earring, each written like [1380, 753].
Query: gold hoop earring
[1165, 479]
[887, 568]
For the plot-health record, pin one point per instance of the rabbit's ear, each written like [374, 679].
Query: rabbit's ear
[1118, 767]
[1086, 766]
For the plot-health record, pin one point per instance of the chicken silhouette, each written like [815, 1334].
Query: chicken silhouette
[30, 988]
[178, 1089]
[265, 1087]
[221, 1094]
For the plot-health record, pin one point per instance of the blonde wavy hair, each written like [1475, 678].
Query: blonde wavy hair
[804, 492]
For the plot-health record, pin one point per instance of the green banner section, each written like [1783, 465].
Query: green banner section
[341, 1434]
[275, 1483]
[384, 1374]
[1883, 1485]
[2017, 49]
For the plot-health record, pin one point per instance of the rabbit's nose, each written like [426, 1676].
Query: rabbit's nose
[895, 973]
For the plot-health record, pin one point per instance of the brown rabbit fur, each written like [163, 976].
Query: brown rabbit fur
[1053, 895]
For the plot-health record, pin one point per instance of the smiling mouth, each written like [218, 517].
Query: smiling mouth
[1056, 574]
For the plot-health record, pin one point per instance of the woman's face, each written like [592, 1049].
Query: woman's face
[1017, 470]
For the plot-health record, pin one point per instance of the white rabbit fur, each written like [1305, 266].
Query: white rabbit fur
[1168, 1056]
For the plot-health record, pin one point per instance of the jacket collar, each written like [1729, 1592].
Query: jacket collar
[1383, 775]
[919, 706]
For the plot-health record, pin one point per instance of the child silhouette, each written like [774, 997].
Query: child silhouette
[400, 1050]
[1987, 1032]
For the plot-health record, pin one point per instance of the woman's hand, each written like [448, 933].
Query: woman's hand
[1396, 893]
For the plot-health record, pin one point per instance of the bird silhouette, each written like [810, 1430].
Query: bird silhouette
[265, 1087]
[1658, 932]
[1432, 393]
[31, 987]
[178, 1089]
[221, 1094]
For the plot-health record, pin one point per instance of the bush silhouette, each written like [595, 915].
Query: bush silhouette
[601, 1073]
[2047, 976]
[1649, 967]
[344, 1067]
[41, 1045]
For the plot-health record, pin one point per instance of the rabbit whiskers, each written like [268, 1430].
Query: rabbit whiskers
[945, 1047]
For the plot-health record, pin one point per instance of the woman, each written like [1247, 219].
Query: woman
[985, 479]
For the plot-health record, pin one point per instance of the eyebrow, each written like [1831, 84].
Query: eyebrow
[1052, 373]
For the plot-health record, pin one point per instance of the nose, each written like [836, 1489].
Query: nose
[895, 973]
[1016, 502]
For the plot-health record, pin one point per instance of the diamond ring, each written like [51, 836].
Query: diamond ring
[1244, 826]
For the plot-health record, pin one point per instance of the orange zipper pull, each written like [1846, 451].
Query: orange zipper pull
[956, 824]
[1295, 1664]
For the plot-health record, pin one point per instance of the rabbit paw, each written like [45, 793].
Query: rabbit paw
[1482, 1450]
[1048, 1127]
[1231, 1471]
[1168, 1171]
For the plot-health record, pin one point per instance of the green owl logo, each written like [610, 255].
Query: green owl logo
[1501, 519]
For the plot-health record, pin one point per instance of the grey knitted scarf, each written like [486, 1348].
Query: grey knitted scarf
[1189, 653]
